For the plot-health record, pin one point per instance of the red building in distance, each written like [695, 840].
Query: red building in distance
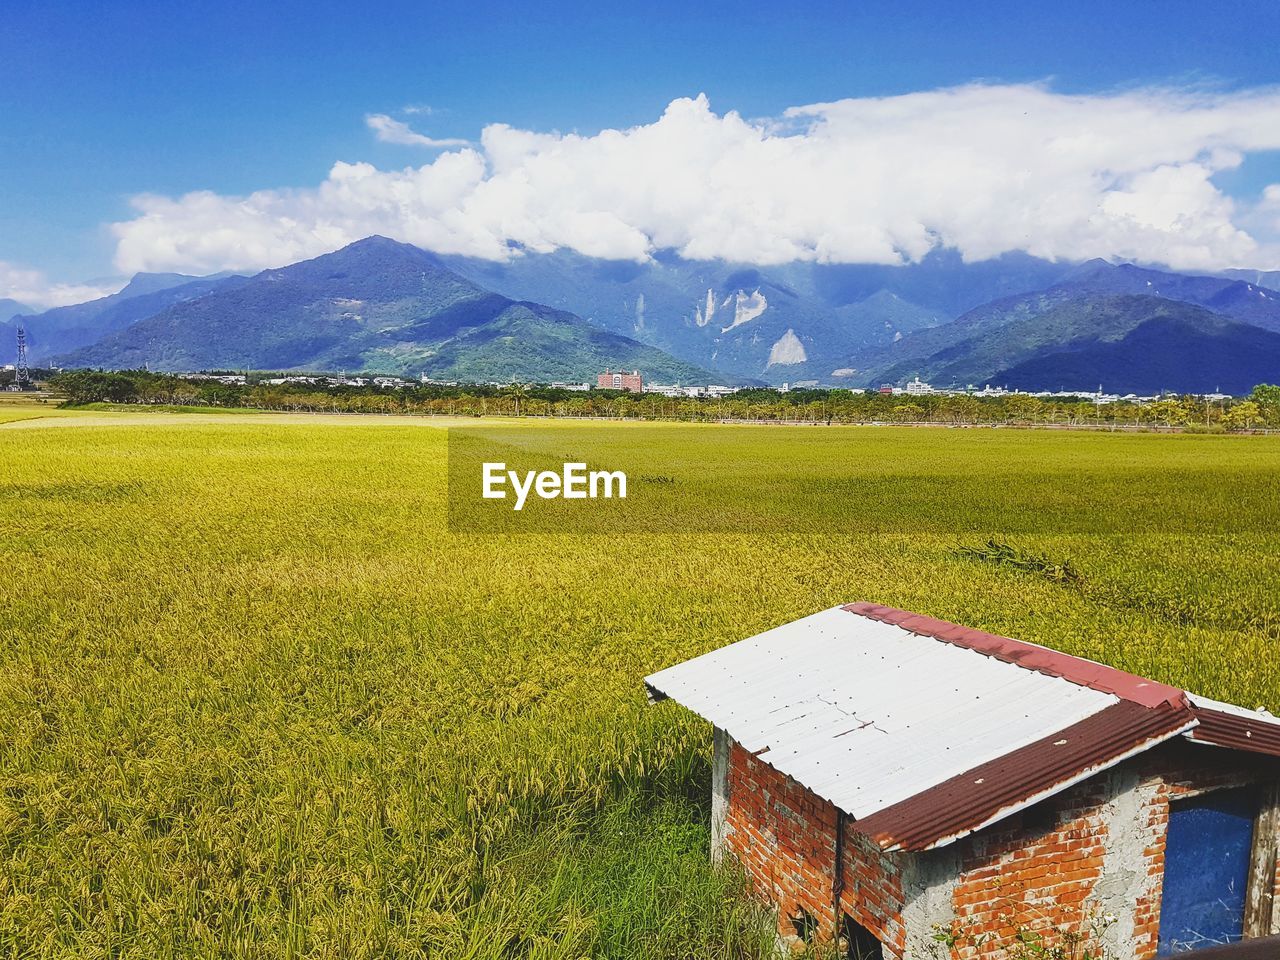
[630, 382]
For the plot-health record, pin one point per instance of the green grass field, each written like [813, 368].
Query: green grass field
[19, 406]
[260, 701]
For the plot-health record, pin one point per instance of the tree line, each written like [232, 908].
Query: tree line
[1261, 409]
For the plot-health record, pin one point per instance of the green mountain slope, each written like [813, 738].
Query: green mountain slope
[379, 305]
[1165, 353]
[63, 329]
[792, 322]
[1089, 329]
[1235, 299]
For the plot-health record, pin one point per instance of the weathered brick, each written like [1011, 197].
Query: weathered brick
[1008, 877]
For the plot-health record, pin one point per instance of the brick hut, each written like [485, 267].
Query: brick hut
[890, 778]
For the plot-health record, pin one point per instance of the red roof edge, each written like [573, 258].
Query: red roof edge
[1223, 729]
[994, 790]
[1029, 656]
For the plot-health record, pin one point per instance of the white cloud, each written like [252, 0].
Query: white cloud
[33, 288]
[390, 130]
[1263, 218]
[983, 169]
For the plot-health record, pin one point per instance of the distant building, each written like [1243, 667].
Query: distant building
[666, 389]
[630, 382]
[695, 390]
[918, 388]
[886, 389]
[989, 391]
[717, 390]
[229, 379]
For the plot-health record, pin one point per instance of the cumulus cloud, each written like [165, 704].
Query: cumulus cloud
[389, 130]
[34, 289]
[1263, 219]
[982, 169]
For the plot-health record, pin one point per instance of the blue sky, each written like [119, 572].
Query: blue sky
[100, 102]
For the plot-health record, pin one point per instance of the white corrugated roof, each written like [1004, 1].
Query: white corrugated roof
[866, 714]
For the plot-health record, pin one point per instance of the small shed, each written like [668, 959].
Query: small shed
[923, 789]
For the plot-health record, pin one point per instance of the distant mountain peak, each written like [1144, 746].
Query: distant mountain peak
[376, 304]
[12, 308]
[377, 241]
[61, 329]
[143, 283]
[374, 240]
[366, 253]
[1091, 268]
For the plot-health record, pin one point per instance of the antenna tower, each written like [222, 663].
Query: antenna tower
[21, 373]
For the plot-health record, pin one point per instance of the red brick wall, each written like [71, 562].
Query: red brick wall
[1017, 875]
[873, 893]
[1040, 870]
[784, 838]
[1027, 875]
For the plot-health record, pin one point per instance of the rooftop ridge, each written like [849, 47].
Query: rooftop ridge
[1029, 656]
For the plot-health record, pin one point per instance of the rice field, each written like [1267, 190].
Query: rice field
[18, 406]
[260, 699]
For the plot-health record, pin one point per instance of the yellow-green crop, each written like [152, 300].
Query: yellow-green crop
[257, 700]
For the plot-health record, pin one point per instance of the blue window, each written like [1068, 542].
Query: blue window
[1206, 870]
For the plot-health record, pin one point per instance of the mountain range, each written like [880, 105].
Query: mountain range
[1095, 306]
[794, 322]
[63, 329]
[1140, 343]
[942, 319]
[377, 304]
